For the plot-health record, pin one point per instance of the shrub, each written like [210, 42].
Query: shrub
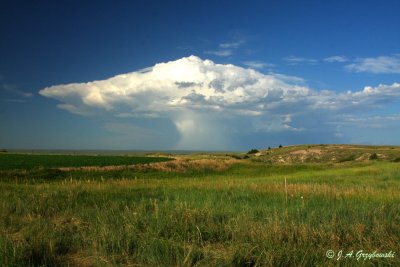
[348, 158]
[373, 156]
[253, 151]
[396, 159]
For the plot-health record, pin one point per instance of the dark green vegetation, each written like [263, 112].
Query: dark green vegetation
[239, 215]
[253, 151]
[26, 161]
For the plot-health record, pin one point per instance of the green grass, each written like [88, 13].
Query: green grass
[238, 217]
[27, 161]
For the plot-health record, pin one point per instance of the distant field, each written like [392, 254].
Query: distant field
[204, 211]
[29, 161]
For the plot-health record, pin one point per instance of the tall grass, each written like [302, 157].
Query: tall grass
[233, 217]
[27, 161]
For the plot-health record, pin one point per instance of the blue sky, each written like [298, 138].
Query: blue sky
[225, 75]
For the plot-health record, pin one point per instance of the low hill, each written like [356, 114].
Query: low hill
[327, 154]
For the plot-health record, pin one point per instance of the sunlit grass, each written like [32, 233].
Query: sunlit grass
[240, 216]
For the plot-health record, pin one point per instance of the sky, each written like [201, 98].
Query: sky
[198, 75]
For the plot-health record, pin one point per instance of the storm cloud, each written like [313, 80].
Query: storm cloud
[210, 104]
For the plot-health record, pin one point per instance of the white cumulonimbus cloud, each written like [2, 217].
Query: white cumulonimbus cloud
[203, 99]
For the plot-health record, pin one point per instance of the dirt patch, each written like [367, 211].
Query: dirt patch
[363, 157]
[315, 151]
[305, 152]
[297, 152]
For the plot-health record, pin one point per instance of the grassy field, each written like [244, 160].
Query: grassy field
[30, 161]
[202, 211]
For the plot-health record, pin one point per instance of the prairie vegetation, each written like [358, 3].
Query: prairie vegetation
[30, 161]
[327, 154]
[204, 210]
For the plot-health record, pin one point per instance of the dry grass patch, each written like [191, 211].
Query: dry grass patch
[177, 165]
